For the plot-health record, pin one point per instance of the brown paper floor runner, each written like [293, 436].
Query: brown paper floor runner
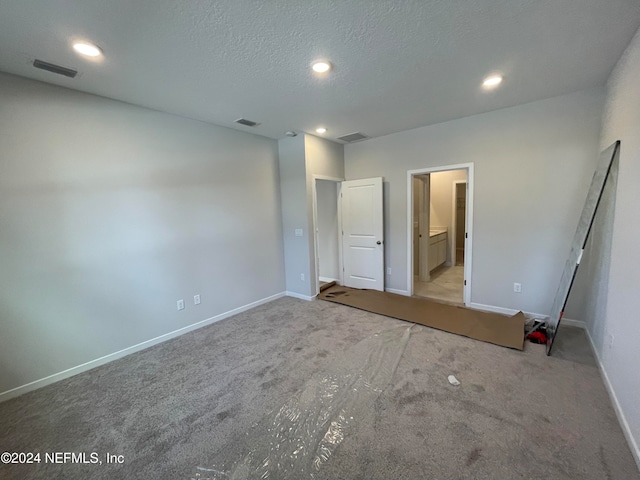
[327, 285]
[487, 327]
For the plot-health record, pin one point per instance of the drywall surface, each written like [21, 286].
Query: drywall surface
[326, 159]
[616, 334]
[293, 195]
[323, 157]
[300, 158]
[441, 202]
[533, 165]
[327, 205]
[110, 213]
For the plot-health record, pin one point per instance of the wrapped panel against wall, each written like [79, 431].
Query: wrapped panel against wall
[606, 169]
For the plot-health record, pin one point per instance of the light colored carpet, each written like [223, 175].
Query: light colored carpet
[212, 397]
[446, 285]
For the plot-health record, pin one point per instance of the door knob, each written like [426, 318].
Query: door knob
[379, 242]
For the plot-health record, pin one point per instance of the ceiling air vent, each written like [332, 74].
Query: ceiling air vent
[50, 67]
[248, 123]
[353, 137]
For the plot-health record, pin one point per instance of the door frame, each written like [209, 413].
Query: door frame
[466, 297]
[454, 218]
[315, 284]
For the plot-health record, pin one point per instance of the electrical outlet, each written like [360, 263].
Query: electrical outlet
[610, 339]
[302, 277]
[298, 232]
[517, 287]
[196, 299]
[389, 271]
[180, 304]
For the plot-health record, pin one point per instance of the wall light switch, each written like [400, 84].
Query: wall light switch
[180, 304]
[302, 277]
[389, 271]
[298, 232]
[196, 299]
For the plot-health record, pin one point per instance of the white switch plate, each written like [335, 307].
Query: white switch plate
[517, 287]
[180, 304]
[298, 232]
[302, 277]
[389, 271]
[196, 299]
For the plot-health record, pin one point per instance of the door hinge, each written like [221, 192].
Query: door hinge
[466, 235]
[465, 282]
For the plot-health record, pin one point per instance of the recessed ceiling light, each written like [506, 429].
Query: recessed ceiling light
[321, 66]
[321, 130]
[87, 49]
[492, 81]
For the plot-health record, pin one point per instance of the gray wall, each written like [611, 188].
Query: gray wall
[533, 165]
[328, 255]
[301, 158]
[293, 194]
[612, 316]
[324, 158]
[109, 213]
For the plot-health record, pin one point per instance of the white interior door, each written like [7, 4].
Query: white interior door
[362, 233]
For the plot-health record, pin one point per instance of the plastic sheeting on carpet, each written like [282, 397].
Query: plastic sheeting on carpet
[294, 441]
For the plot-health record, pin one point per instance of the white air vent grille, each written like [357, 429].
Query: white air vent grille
[248, 123]
[53, 68]
[353, 137]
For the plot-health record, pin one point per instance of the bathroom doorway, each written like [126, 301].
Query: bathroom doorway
[440, 234]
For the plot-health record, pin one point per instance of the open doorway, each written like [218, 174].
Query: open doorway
[440, 237]
[327, 237]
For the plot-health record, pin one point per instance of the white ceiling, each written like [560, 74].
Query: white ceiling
[398, 64]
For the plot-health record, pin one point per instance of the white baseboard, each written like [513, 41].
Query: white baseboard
[573, 323]
[633, 444]
[510, 311]
[70, 372]
[299, 296]
[328, 279]
[505, 311]
[399, 292]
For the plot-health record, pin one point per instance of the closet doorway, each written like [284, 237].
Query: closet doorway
[327, 230]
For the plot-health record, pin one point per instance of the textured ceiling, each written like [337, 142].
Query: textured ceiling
[398, 64]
